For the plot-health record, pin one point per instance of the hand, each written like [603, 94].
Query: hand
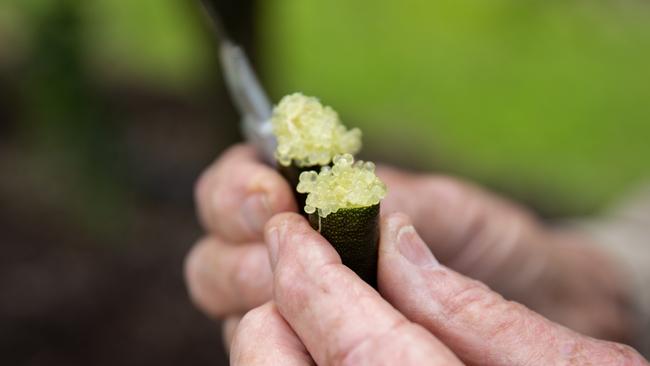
[323, 313]
[557, 274]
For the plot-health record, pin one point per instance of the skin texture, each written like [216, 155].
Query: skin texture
[322, 312]
[558, 274]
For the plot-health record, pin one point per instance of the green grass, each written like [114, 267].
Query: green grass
[547, 100]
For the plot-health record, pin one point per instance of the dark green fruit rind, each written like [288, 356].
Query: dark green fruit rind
[354, 233]
[292, 174]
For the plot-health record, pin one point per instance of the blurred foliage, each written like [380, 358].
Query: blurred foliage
[64, 59]
[64, 127]
[161, 43]
[112, 108]
[548, 100]
[109, 110]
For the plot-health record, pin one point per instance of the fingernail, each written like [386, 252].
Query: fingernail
[414, 249]
[273, 242]
[255, 212]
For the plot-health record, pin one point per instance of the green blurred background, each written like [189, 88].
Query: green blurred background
[109, 109]
[546, 100]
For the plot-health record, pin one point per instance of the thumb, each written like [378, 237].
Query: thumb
[476, 323]
[471, 230]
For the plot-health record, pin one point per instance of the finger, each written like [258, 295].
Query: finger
[470, 230]
[473, 321]
[263, 337]
[561, 275]
[226, 279]
[339, 318]
[238, 194]
[228, 328]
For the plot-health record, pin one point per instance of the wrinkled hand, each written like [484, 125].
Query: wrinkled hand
[471, 231]
[323, 313]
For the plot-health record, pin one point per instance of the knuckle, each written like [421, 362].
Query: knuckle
[250, 276]
[284, 222]
[278, 190]
[470, 298]
[255, 318]
[586, 351]
[220, 200]
[202, 197]
[192, 261]
[194, 265]
[332, 274]
[288, 289]
[474, 303]
[204, 295]
[228, 328]
[293, 228]
[233, 154]
[223, 204]
[620, 354]
[215, 204]
[446, 186]
[399, 216]
[252, 325]
[246, 268]
[460, 201]
[575, 352]
[396, 219]
[217, 171]
[261, 177]
[201, 186]
[364, 350]
[511, 322]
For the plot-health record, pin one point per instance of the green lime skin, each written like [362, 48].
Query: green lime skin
[354, 233]
[292, 173]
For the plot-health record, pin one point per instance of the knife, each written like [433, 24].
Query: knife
[244, 87]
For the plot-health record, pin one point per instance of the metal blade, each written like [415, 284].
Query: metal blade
[245, 89]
